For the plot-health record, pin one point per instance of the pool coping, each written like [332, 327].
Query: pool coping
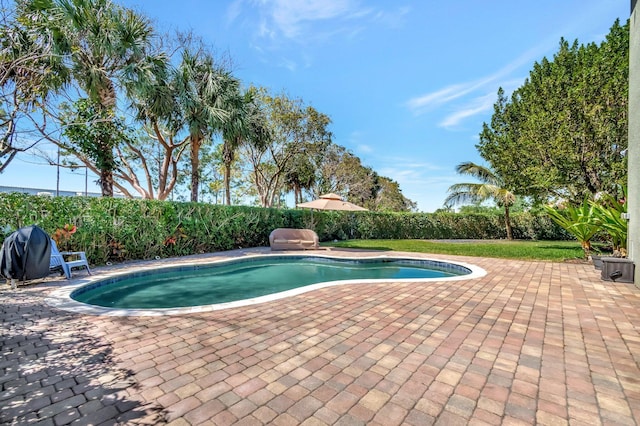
[61, 297]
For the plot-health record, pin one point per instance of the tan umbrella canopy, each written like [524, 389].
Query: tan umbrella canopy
[331, 202]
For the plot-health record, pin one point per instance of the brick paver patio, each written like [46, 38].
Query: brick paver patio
[530, 343]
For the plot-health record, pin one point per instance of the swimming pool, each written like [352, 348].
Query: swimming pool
[247, 280]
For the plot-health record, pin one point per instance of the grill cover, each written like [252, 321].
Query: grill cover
[26, 254]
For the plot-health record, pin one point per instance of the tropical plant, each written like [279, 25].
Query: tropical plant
[608, 213]
[105, 48]
[246, 123]
[204, 91]
[234, 129]
[29, 76]
[580, 221]
[157, 149]
[491, 186]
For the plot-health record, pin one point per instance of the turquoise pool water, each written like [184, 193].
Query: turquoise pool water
[246, 279]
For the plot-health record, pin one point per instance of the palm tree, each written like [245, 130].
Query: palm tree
[156, 105]
[105, 48]
[203, 91]
[247, 123]
[235, 129]
[491, 187]
[28, 76]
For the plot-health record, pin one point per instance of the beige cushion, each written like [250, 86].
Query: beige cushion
[293, 239]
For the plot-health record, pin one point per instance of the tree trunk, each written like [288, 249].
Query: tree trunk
[297, 194]
[227, 159]
[107, 163]
[507, 222]
[195, 167]
[107, 103]
[106, 182]
[227, 184]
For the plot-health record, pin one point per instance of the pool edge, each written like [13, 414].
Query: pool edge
[61, 297]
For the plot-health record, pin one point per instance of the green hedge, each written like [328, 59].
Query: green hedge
[110, 229]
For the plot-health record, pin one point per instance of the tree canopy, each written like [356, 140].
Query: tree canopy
[104, 50]
[29, 74]
[563, 133]
[97, 80]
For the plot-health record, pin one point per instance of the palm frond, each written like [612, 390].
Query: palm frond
[483, 174]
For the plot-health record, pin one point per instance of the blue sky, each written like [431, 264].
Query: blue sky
[407, 84]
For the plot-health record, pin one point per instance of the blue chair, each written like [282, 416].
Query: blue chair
[77, 259]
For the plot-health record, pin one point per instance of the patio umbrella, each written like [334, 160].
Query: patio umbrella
[331, 202]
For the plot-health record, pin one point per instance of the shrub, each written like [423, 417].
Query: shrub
[110, 229]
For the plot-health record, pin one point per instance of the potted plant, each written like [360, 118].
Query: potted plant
[609, 215]
[579, 221]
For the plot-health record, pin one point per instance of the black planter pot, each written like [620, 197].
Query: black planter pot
[597, 261]
[618, 269]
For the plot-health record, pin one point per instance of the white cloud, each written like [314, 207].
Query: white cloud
[355, 138]
[410, 172]
[365, 149]
[289, 17]
[234, 10]
[393, 18]
[476, 106]
[442, 96]
[302, 21]
[288, 64]
[502, 77]
[429, 101]
[279, 25]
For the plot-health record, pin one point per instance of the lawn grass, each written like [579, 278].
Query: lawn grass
[556, 251]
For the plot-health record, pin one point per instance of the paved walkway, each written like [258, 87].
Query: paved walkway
[531, 342]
